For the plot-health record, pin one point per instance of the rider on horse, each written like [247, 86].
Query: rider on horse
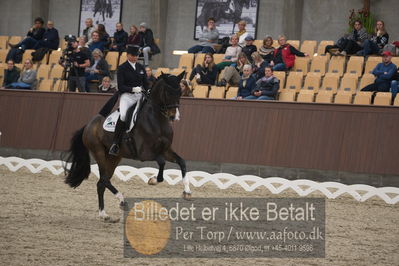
[132, 83]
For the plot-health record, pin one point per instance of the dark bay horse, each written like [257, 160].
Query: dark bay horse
[149, 140]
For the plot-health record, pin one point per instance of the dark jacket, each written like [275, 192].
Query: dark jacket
[129, 78]
[36, 34]
[380, 69]
[246, 90]
[134, 39]
[11, 76]
[102, 66]
[147, 39]
[268, 86]
[51, 39]
[259, 72]
[381, 41]
[248, 50]
[120, 39]
[99, 45]
[206, 76]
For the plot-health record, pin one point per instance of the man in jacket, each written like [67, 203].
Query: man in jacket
[120, 39]
[208, 39]
[147, 43]
[34, 35]
[132, 82]
[266, 88]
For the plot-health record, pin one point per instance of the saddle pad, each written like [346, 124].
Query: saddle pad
[110, 122]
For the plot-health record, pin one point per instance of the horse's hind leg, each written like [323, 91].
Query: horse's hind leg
[161, 163]
[172, 156]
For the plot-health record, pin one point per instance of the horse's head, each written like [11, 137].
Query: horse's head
[166, 94]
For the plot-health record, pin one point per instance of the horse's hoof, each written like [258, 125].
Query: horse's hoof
[186, 195]
[123, 205]
[111, 221]
[152, 181]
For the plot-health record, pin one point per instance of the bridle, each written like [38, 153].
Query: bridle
[164, 106]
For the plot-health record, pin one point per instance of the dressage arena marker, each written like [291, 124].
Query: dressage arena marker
[275, 185]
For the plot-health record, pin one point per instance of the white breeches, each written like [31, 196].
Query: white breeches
[126, 101]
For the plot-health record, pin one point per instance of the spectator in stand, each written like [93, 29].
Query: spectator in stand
[249, 47]
[89, 29]
[267, 49]
[231, 55]
[104, 36]
[266, 88]
[207, 39]
[185, 89]
[394, 84]
[377, 41]
[34, 35]
[151, 79]
[205, 73]
[247, 83]
[27, 78]
[98, 68]
[11, 74]
[284, 56]
[258, 67]
[83, 47]
[134, 37]
[351, 44]
[242, 33]
[120, 39]
[147, 43]
[106, 86]
[96, 43]
[232, 74]
[384, 73]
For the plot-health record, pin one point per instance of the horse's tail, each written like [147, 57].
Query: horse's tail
[79, 157]
[107, 108]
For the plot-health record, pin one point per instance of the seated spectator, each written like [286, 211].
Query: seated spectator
[284, 56]
[242, 33]
[377, 41]
[106, 86]
[266, 88]
[231, 54]
[232, 74]
[384, 73]
[34, 35]
[185, 89]
[267, 49]
[134, 37]
[249, 47]
[120, 39]
[83, 47]
[104, 36]
[96, 43]
[350, 44]
[27, 78]
[205, 73]
[258, 67]
[98, 68]
[147, 43]
[207, 39]
[247, 83]
[11, 74]
[392, 47]
[394, 84]
[150, 77]
[89, 29]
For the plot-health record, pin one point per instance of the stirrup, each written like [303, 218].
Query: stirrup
[114, 150]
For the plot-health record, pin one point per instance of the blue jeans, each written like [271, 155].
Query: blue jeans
[394, 88]
[279, 67]
[199, 48]
[369, 47]
[19, 85]
[263, 97]
[28, 43]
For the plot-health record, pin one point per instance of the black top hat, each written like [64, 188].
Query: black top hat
[133, 50]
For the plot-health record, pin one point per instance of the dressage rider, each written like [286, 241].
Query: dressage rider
[132, 83]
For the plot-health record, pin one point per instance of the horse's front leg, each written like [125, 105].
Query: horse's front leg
[172, 156]
[161, 164]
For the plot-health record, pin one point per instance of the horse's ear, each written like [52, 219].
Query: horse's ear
[180, 77]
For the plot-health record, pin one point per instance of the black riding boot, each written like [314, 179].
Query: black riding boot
[119, 130]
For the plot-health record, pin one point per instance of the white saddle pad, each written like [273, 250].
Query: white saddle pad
[110, 122]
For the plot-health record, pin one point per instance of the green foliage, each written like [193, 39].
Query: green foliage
[365, 17]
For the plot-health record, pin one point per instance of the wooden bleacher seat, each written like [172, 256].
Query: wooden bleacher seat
[294, 43]
[1, 79]
[319, 64]
[122, 58]
[231, 92]
[14, 39]
[363, 97]
[371, 63]
[3, 42]
[43, 72]
[309, 47]
[27, 54]
[324, 96]
[258, 43]
[366, 80]
[201, 91]
[275, 44]
[396, 101]
[281, 77]
[294, 81]
[161, 70]
[112, 60]
[287, 96]
[63, 44]
[20, 66]
[355, 66]
[56, 72]
[45, 85]
[349, 83]
[322, 46]
[199, 59]
[336, 65]
[3, 56]
[395, 60]
[60, 85]
[186, 61]
[217, 58]
[305, 96]
[217, 92]
[343, 97]
[177, 71]
[383, 98]
[54, 57]
[301, 65]
[312, 82]
[330, 83]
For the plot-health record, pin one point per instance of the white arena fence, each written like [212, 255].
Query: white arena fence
[275, 185]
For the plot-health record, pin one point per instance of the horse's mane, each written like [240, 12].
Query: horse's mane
[168, 82]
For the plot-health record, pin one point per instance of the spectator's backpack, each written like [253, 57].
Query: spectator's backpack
[15, 55]
[38, 55]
